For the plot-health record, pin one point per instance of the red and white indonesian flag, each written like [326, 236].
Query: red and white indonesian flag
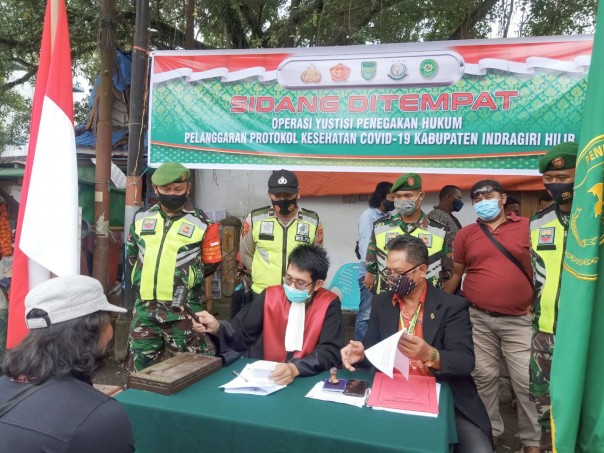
[47, 227]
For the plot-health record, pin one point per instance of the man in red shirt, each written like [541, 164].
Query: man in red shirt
[494, 255]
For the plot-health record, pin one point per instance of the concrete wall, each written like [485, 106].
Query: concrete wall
[237, 192]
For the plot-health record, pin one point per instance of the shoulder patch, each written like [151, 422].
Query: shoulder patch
[310, 213]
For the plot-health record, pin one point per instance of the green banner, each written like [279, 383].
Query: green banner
[495, 115]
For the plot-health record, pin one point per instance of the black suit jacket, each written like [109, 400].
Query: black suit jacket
[447, 327]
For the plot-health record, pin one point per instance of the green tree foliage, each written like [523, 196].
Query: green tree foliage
[268, 23]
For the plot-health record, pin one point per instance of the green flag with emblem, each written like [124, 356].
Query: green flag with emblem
[577, 391]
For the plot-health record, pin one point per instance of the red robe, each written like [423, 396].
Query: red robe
[276, 312]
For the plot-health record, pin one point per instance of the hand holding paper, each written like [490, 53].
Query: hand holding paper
[385, 356]
[414, 347]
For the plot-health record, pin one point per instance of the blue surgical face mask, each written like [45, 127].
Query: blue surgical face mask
[457, 205]
[487, 209]
[296, 295]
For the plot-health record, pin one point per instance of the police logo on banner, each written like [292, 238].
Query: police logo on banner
[311, 75]
[368, 69]
[427, 238]
[546, 235]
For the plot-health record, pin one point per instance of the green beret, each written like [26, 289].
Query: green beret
[170, 172]
[560, 157]
[408, 181]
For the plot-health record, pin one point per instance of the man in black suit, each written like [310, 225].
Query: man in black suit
[440, 339]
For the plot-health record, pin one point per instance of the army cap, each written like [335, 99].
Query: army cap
[170, 172]
[560, 157]
[408, 181]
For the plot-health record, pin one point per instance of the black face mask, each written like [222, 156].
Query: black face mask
[402, 284]
[172, 202]
[457, 205]
[388, 205]
[562, 192]
[285, 207]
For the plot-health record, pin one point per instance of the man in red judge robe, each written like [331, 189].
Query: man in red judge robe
[298, 324]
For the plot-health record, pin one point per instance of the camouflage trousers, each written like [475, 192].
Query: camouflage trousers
[542, 350]
[154, 328]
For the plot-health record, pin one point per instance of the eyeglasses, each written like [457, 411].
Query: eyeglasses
[298, 284]
[396, 273]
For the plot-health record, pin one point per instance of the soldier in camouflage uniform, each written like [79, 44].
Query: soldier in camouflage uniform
[549, 229]
[172, 249]
[408, 218]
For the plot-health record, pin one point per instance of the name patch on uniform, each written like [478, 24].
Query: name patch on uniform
[267, 228]
[547, 235]
[305, 239]
[427, 238]
[148, 226]
[186, 230]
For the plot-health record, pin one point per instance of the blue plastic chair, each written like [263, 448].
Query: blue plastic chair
[346, 285]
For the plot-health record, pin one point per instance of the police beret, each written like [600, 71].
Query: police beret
[170, 172]
[408, 181]
[560, 157]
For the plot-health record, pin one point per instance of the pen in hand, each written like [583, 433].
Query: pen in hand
[239, 376]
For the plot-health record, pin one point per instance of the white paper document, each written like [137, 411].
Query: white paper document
[254, 380]
[385, 356]
[318, 393]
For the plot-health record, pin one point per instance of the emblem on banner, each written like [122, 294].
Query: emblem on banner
[339, 73]
[546, 235]
[427, 238]
[311, 75]
[368, 69]
[398, 71]
[558, 162]
[428, 68]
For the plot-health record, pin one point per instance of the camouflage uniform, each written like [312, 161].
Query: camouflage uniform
[549, 229]
[154, 326]
[542, 351]
[440, 261]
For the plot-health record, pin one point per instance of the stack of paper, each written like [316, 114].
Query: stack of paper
[254, 380]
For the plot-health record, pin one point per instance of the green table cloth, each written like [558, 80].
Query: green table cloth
[204, 418]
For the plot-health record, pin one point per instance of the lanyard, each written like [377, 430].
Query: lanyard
[413, 320]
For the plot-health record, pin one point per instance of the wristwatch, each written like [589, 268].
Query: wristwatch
[433, 358]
